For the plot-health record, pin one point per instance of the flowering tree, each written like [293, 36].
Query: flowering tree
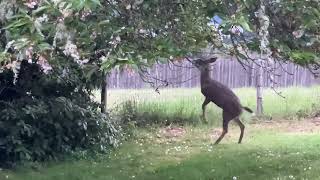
[102, 34]
[93, 31]
[99, 35]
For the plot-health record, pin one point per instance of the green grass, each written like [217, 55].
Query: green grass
[268, 152]
[185, 104]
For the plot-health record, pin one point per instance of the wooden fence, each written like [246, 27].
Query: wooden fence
[229, 72]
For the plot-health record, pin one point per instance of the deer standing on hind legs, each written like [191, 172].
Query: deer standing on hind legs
[220, 95]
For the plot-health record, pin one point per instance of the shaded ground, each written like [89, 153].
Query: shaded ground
[311, 125]
[306, 126]
[284, 150]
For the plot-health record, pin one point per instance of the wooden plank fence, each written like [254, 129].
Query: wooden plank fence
[229, 72]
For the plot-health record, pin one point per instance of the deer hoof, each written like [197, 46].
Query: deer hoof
[204, 120]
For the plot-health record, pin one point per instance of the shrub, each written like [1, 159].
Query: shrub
[47, 128]
[44, 117]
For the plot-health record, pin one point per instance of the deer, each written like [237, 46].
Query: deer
[220, 95]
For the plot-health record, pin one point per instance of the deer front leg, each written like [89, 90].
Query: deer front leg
[204, 104]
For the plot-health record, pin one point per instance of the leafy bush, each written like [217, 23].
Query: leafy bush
[44, 129]
[48, 116]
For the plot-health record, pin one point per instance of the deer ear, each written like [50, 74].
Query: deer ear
[211, 60]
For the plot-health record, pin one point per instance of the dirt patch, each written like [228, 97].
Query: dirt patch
[172, 132]
[306, 126]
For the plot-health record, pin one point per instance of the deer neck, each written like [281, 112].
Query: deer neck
[205, 77]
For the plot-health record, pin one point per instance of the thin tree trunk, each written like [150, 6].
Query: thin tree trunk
[103, 100]
[259, 89]
[265, 51]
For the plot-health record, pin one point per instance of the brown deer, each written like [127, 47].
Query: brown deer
[220, 95]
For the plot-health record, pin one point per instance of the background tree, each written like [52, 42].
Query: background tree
[281, 30]
[100, 35]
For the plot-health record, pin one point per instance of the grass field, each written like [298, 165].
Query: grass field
[185, 104]
[271, 151]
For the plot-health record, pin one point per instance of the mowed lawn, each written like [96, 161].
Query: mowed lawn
[277, 150]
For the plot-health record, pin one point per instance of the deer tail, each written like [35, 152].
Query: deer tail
[247, 109]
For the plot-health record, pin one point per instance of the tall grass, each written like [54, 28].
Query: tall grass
[184, 105]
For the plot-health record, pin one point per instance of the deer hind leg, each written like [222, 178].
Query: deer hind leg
[237, 120]
[226, 119]
[204, 104]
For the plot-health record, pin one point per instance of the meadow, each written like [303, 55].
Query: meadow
[282, 148]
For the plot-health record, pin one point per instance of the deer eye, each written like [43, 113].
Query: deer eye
[202, 61]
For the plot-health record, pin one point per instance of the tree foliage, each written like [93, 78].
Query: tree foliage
[293, 31]
[104, 34]
[107, 33]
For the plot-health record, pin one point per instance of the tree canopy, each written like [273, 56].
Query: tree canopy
[103, 34]
[293, 29]
[100, 32]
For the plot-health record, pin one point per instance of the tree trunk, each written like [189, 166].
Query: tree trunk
[259, 89]
[103, 100]
[264, 51]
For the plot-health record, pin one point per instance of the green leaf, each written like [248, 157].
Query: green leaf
[40, 9]
[316, 12]
[244, 23]
[44, 46]
[90, 70]
[17, 24]
[104, 22]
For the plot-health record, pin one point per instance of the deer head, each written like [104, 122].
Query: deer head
[203, 64]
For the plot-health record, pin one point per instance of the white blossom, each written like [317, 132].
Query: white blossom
[15, 66]
[6, 9]
[45, 66]
[9, 45]
[128, 6]
[142, 31]
[29, 52]
[298, 33]
[43, 18]
[31, 4]
[118, 38]
[71, 49]
[236, 30]
[85, 14]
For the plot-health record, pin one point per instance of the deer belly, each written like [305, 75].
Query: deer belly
[232, 107]
[228, 105]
